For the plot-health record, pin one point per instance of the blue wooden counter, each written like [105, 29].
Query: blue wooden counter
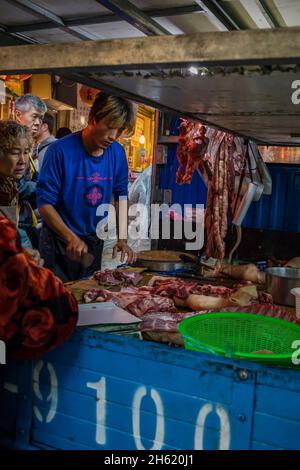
[103, 391]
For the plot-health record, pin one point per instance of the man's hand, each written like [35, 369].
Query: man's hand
[35, 254]
[122, 247]
[76, 248]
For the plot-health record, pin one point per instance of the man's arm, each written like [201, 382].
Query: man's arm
[76, 248]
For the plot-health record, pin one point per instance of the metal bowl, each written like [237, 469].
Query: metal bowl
[280, 281]
[165, 266]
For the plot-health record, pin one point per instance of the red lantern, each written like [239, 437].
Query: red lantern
[88, 94]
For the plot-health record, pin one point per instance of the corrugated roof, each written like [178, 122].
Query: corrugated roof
[257, 104]
[177, 17]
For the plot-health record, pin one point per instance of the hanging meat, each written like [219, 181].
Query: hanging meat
[192, 146]
[220, 158]
[226, 158]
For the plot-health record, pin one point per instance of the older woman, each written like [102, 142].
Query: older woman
[15, 147]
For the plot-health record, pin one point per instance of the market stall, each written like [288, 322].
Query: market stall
[113, 391]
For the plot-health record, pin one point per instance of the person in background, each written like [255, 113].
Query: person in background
[44, 138]
[63, 132]
[80, 173]
[15, 148]
[29, 111]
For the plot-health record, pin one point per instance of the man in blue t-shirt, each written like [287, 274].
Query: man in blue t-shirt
[81, 172]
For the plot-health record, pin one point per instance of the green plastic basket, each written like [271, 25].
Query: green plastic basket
[240, 335]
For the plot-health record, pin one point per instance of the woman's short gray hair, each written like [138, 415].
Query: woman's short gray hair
[25, 102]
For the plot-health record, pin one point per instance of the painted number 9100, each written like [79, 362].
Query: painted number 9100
[159, 434]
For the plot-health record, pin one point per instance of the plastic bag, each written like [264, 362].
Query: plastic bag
[139, 194]
[140, 191]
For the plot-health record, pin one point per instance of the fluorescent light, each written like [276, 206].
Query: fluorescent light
[193, 70]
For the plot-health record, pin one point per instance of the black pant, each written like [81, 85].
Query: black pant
[53, 251]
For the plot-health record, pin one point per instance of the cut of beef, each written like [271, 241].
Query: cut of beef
[116, 277]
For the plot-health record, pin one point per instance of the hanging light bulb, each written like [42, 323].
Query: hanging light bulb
[193, 70]
[142, 139]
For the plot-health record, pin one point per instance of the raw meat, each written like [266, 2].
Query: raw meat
[293, 263]
[268, 310]
[135, 301]
[179, 288]
[116, 277]
[226, 157]
[192, 145]
[168, 322]
[142, 305]
[246, 272]
[265, 298]
[208, 289]
[97, 295]
[167, 293]
[197, 302]
[161, 321]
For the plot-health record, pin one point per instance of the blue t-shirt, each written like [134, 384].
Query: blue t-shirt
[76, 183]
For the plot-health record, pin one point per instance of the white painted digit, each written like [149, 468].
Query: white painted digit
[160, 420]
[52, 397]
[100, 388]
[36, 379]
[224, 441]
[204, 411]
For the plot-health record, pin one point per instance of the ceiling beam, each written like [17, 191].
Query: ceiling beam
[26, 39]
[110, 18]
[41, 12]
[126, 11]
[20, 36]
[268, 14]
[249, 47]
[98, 84]
[218, 15]
[95, 82]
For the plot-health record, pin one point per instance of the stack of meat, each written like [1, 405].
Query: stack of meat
[115, 277]
[192, 146]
